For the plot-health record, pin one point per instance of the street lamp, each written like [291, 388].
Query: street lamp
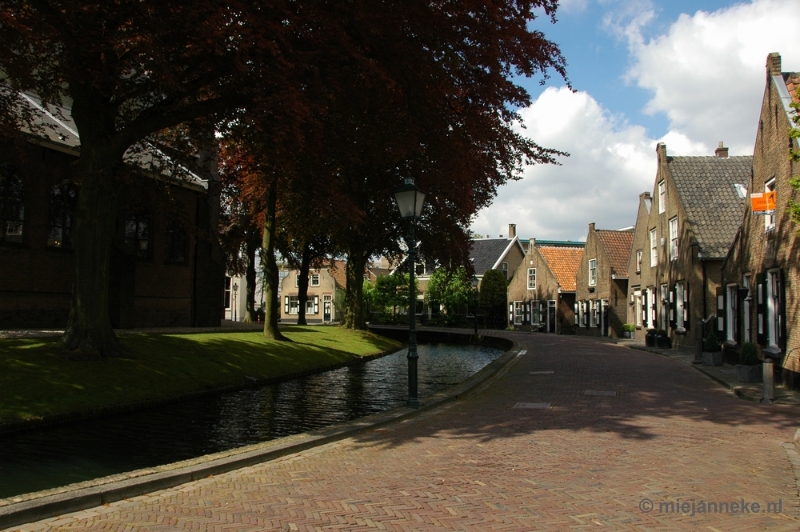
[235, 290]
[410, 200]
[475, 297]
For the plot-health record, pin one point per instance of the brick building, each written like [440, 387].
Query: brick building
[325, 286]
[602, 283]
[683, 232]
[758, 299]
[166, 265]
[541, 294]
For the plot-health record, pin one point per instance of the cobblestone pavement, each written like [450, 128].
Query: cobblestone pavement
[630, 440]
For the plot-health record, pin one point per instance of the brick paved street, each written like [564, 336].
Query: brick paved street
[588, 462]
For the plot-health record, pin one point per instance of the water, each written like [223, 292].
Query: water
[57, 456]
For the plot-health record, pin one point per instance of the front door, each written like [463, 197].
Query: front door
[327, 306]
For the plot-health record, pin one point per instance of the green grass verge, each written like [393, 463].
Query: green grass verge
[36, 382]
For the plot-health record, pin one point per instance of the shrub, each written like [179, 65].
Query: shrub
[629, 327]
[711, 344]
[661, 332]
[748, 354]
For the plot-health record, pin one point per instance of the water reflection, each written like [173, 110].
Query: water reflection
[62, 455]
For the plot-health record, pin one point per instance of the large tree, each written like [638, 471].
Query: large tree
[126, 70]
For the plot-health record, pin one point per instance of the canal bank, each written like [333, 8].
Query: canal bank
[32, 506]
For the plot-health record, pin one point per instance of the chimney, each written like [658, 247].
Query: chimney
[591, 227]
[512, 230]
[721, 151]
[774, 64]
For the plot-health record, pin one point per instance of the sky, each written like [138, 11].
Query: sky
[686, 73]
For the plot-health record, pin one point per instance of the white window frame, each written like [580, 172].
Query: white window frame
[592, 272]
[519, 312]
[294, 304]
[297, 279]
[592, 313]
[314, 280]
[769, 219]
[531, 278]
[638, 260]
[673, 238]
[731, 311]
[662, 196]
[651, 312]
[653, 248]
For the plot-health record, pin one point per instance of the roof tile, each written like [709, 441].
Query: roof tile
[564, 263]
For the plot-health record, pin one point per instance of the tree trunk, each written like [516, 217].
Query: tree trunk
[251, 245]
[302, 284]
[89, 333]
[354, 317]
[270, 266]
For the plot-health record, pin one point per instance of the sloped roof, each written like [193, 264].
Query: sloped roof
[617, 245]
[564, 263]
[486, 252]
[713, 209]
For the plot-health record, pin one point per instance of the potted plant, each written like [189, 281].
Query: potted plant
[663, 341]
[650, 338]
[712, 352]
[749, 368]
[628, 329]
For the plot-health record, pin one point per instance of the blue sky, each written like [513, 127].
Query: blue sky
[687, 73]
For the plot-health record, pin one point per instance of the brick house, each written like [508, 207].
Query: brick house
[758, 298]
[541, 294]
[325, 286]
[602, 283]
[683, 232]
[166, 265]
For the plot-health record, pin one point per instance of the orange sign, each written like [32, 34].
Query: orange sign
[763, 202]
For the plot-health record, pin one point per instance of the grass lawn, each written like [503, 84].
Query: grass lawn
[35, 382]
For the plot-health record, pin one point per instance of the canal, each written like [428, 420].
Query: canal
[57, 456]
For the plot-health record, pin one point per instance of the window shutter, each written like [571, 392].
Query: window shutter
[686, 315]
[316, 304]
[526, 313]
[761, 309]
[577, 315]
[673, 318]
[286, 305]
[511, 313]
[721, 325]
[782, 311]
[599, 313]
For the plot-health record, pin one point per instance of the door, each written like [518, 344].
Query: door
[327, 306]
[551, 315]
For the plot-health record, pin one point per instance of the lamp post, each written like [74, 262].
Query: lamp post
[409, 201]
[235, 301]
[475, 297]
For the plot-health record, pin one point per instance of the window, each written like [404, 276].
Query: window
[310, 306]
[419, 268]
[227, 293]
[773, 308]
[593, 313]
[293, 305]
[314, 279]
[651, 308]
[137, 234]
[673, 238]
[769, 219]
[592, 272]
[747, 325]
[519, 312]
[662, 197]
[12, 204]
[731, 313]
[63, 202]
[681, 306]
[637, 299]
[504, 268]
[531, 278]
[175, 244]
[664, 293]
[653, 248]
[638, 261]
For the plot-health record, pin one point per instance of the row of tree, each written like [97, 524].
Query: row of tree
[320, 108]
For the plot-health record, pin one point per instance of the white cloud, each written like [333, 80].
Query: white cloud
[611, 163]
[707, 72]
[572, 6]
